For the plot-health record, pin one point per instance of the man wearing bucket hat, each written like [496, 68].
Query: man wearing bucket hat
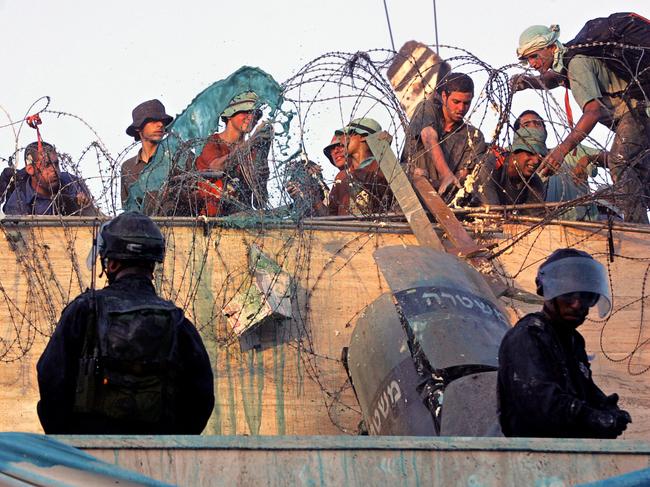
[545, 386]
[360, 187]
[149, 122]
[602, 95]
[439, 144]
[511, 178]
[237, 166]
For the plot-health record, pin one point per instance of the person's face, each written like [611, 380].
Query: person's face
[455, 105]
[353, 142]
[244, 121]
[542, 59]
[530, 120]
[152, 131]
[45, 172]
[527, 162]
[572, 308]
[337, 153]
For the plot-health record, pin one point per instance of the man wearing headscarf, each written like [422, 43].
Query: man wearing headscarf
[602, 97]
[512, 178]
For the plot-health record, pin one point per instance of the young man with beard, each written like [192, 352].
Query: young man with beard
[604, 98]
[43, 189]
[440, 145]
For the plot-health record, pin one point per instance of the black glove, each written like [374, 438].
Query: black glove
[623, 418]
[611, 401]
[606, 424]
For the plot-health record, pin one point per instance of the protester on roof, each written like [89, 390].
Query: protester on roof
[602, 96]
[148, 127]
[545, 386]
[359, 188]
[511, 178]
[43, 189]
[233, 167]
[571, 180]
[305, 184]
[440, 145]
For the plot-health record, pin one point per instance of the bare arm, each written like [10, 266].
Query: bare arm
[593, 112]
[547, 81]
[430, 141]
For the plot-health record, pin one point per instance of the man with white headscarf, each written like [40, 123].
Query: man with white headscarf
[602, 97]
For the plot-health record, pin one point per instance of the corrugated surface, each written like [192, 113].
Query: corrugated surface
[369, 461]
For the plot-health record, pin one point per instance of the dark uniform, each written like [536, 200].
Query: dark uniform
[58, 369]
[545, 384]
[545, 387]
[122, 360]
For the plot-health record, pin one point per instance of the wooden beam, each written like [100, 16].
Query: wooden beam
[379, 145]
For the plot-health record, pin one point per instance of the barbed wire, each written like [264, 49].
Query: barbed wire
[351, 85]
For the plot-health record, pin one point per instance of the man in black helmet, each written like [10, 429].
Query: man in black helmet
[545, 386]
[122, 360]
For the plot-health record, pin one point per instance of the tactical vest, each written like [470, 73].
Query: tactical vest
[127, 371]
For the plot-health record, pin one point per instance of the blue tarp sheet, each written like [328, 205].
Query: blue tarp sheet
[30, 459]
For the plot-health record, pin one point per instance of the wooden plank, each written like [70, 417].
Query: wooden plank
[454, 231]
[379, 145]
[414, 73]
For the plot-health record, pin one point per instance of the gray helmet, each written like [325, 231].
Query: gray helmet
[568, 271]
[131, 236]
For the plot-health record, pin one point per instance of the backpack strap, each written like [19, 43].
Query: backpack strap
[567, 107]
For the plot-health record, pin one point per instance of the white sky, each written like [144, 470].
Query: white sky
[98, 60]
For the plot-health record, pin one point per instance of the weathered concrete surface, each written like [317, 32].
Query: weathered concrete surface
[295, 384]
[368, 461]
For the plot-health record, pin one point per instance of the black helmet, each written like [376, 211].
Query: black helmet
[131, 236]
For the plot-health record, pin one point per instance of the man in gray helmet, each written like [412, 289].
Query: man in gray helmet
[545, 387]
[123, 360]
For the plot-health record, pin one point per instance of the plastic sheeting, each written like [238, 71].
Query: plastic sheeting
[196, 123]
[30, 459]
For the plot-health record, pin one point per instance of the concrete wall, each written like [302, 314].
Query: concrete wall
[368, 461]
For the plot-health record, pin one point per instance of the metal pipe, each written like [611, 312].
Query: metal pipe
[435, 26]
[629, 227]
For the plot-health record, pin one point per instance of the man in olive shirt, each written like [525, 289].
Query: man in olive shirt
[149, 123]
[602, 97]
[439, 144]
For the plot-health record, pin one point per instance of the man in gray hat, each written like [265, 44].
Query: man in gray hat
[149, 122]
[511, 179]
[603, 97]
